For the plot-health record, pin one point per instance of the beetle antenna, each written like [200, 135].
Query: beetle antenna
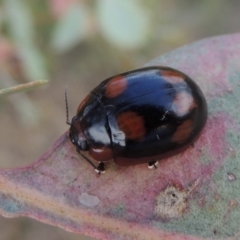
[66, 102]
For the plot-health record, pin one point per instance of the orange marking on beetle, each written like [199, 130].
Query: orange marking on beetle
[183, 103]
[183, 132]
[172, 76]
[115, 86]
[132, 125]
[84, 101]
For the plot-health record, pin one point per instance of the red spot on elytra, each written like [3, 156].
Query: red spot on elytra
[132, 125]
[172, 76]
[183, 132]
[115, 86]
[183, 103]
[83, 103]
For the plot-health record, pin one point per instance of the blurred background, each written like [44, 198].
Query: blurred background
[79, 43]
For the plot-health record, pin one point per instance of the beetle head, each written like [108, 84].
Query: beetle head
[76, 135]
[75, 132]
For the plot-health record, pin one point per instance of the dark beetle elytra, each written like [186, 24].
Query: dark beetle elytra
[139, 116]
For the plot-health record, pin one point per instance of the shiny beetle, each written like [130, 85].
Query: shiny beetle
[139, 116]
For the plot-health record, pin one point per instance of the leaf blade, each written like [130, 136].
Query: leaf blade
[128, 195]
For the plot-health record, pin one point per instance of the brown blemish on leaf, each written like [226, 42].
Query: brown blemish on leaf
[115, 86]
[231, 177]
[216, 197]
[233, 203]
[211, 207]
[172, 202]
[202, 202]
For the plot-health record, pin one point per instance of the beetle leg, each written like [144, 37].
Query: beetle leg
[88, 160]
[100, 168]
[152, 164]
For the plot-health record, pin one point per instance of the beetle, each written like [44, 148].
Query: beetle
[140, 116]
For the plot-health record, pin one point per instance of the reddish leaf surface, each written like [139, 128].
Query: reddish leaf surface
[194, 195]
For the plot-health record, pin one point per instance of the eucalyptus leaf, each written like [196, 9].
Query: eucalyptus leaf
[20, 24]
[71, 28]
[191, 196]
[122, 22]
